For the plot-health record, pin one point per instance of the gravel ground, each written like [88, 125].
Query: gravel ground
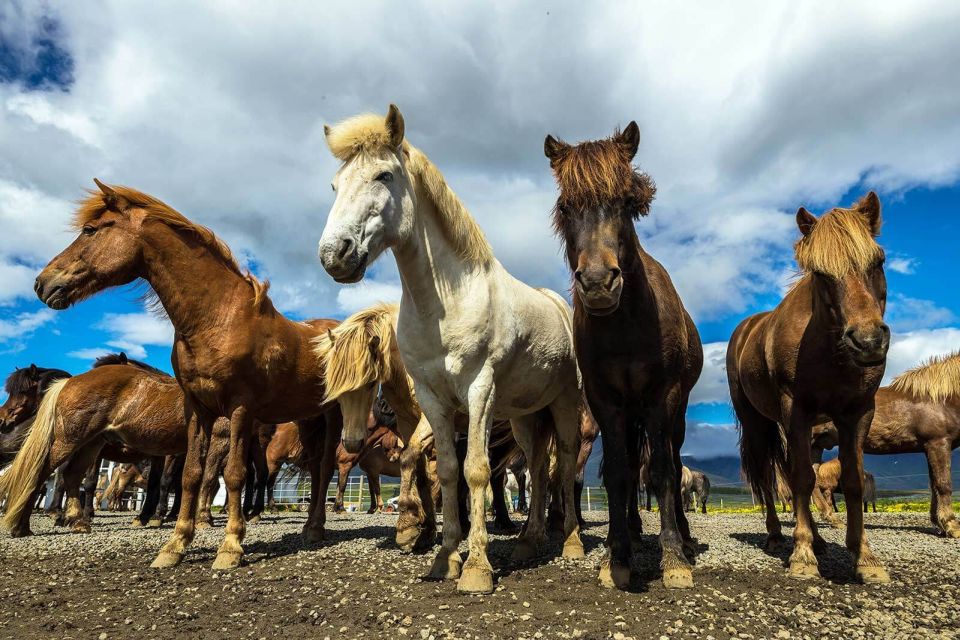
[356, 585]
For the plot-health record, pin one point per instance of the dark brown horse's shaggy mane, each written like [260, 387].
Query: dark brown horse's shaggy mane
[121, 358]
[22, 380]
[592, 174]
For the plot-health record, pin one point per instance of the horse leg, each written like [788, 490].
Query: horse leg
[614, 422]
[322, 472]
[74, 472]
[463, 489]
[660, 424]
[166, 479]
[501, 517]
[311, 439]
[853, 432]
[210, 482]
[565, 411]
[259, 460]
[199, 432]
[634, 523]
[230, 552]
[755, 450]
[803, 560]
[522, 505]
[941, 508]
[177, 488]
[373, 480]
[55, 509]
[529, 432]
[416, 524]
[90, 489]
[447, 563]
[344, 467]
[152, 494]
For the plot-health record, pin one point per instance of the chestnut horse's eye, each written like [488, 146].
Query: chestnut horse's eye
[384, 176]
[89, 230]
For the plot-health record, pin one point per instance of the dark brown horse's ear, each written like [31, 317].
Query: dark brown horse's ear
[806, 221]
[123, 358]
[869, 206]
[395, 125]
[554, 149]
[113, 200]
[33, 371]
[629, 139]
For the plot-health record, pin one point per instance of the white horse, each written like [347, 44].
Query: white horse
[473, 338]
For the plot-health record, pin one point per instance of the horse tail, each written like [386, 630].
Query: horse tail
[23, 476]
[763, 455]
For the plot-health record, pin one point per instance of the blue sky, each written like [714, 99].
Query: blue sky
[769, 108]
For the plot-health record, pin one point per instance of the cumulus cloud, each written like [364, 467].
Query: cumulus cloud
[712, 386]
[906, 314]
[767, 108]
[907, 350]
[131, 333]
[902, 264]
[24, 324]
[366, 293]
[706, 440]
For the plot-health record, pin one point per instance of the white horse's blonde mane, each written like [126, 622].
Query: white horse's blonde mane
[367, 134]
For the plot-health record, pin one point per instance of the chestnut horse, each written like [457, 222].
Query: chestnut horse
[819, 355]
[919, 412]
[379, 454]
[638, 349]
[828, 485]
[262, 367]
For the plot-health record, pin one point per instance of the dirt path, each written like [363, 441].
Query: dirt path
[356, 585]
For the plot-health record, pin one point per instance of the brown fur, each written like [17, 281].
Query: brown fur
[262, 369]
[821, 352]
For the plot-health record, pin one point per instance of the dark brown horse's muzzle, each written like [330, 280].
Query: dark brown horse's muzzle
[599, 289]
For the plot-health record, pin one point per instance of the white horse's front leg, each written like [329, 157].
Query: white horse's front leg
[477, 576]
[446, 566]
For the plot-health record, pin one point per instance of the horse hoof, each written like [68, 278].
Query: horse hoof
[80, 527]
[227, 560]
[573, 550]
[614, 576]
[21, 533]
[803, 571]
[873, 575]
[136, 523]
[690, 549]
[678, 578]
[253, 519]
[952, 530]
[203, 524]
[154, 522]
[475, 580]
[524, 551]
[445, 567]
[166, 560]
[775, 542]
[313, 535]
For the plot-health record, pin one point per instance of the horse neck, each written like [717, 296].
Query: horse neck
[194, 286]
[432, 273]
[821, 320]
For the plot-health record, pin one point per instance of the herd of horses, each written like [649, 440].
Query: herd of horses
[478, 370]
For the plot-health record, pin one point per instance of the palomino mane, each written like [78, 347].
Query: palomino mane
[840, 243]
[367, 135]
[598, 172]
[935, 380]
[345, 350]
[97, 203]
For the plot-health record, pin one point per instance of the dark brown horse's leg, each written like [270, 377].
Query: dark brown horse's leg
[177, 488]
[55, 509]
[677, 573]
[199, 432]
[416, 524]
[376, 505]
[852, 434]
[613, 422]
[259, 459]
[311, 439]
[212, 468]
[634, 524]
[230, 553]
[941, 508]
[152, 495]
[328, 463]
[90, 489]
[74, 472]
[501, 517]
[677, 437]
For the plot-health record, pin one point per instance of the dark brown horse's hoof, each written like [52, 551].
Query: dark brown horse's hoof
[21, 533]
[313, 535]
[614, 576]
[678, 577]
[80, 527]
[803, 571]
[154, 522]
[775, 542]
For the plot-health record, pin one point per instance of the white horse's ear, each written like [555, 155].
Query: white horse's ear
[806, 221]
[395, 125]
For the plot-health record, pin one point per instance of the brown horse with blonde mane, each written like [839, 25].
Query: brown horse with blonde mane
[636, 345]
[819, 355]
[262, 368]
[919, 412]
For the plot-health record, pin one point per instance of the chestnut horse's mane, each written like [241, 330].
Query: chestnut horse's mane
[597, 172]
[841, 242]
[367, 134]
[935, 380]
[345, 350]
[97, 203]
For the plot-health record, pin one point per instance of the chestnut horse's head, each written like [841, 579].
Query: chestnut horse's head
[840, 253]
[25, 389]
[601, 195]
[108, 251]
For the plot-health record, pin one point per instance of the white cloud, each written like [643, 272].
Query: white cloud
[366, 293]
[768, 107]
[130, 333]
[910, 349]
[712, 386]
[900, 264]
[909, 314]
[22, 325]
[704, 440]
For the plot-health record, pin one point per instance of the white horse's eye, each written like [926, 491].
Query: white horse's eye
[384, 176]
[333, 187]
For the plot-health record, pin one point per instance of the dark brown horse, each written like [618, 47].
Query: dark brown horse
[819, 355]
[262, 368]
[637, 347]
[25, 389]
[919, 412]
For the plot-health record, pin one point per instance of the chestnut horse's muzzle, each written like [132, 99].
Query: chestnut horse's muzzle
[353, 445]
[868, 345]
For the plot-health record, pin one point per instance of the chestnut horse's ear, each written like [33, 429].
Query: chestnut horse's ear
[869, 206]
[554, 149]
[629, 139]
[806, 221]
[113, 200]
[375, 347]
[395, 125]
